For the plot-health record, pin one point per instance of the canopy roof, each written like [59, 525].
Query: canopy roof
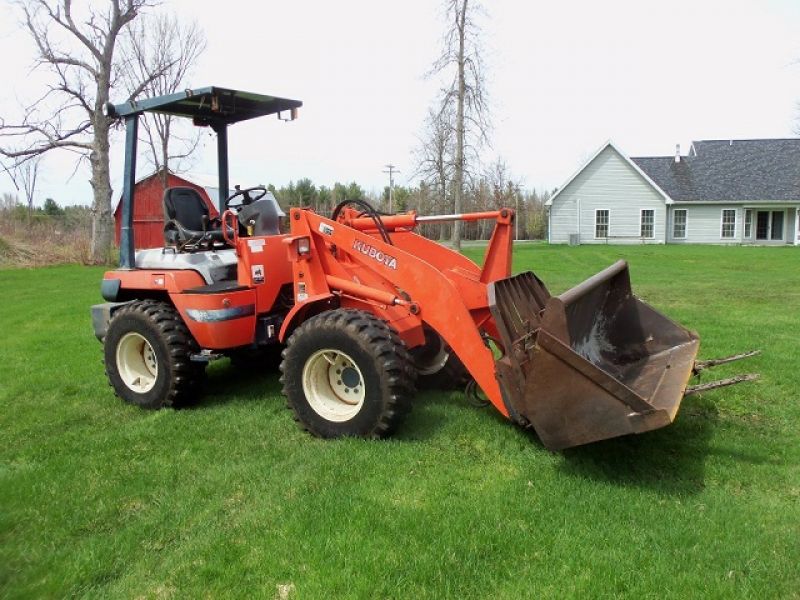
[208, 105]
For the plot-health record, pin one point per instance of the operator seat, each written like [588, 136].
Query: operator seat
[186, 220]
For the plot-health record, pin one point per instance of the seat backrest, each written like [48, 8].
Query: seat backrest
[186, 206]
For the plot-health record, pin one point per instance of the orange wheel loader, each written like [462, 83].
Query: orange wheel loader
[358, 307]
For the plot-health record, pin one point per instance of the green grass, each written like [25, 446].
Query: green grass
[230, 499]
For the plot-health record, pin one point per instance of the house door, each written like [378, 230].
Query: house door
[769, 225]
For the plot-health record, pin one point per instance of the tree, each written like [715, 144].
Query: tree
[461, 61]
[434, 156]
[79, 51]
[355, 192]
[162, 45]
[52, 208]
[8, 201]
[402, 198]
[505, 191]
[325, 196]
[305, 193]
[536, 210]
[24, 176]
[339, 192]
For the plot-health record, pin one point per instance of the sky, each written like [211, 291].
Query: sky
[563, 78]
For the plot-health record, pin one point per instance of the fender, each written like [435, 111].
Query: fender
[298, 313]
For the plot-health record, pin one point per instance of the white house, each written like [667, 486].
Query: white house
[721, 192]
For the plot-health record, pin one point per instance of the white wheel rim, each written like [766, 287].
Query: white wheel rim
[136, 363]
[333, 385]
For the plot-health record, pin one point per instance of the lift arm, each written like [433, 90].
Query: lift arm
[412, 279]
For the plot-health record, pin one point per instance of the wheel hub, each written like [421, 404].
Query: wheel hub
[350, 377]
[137, 364]
[333, 385]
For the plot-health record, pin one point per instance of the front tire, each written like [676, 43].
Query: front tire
[148, 352]
[346, 373]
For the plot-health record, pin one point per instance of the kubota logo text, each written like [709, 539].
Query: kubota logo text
[372, 252]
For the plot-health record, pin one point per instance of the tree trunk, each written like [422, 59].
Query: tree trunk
[165, 154]
[442, 203]
[459, 166]
[102, 219]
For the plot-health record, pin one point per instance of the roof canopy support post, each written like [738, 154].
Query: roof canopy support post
[126, 242]
[222, 164]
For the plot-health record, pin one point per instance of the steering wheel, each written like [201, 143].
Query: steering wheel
[244, 197]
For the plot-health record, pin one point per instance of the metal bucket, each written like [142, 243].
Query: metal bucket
[590, 364]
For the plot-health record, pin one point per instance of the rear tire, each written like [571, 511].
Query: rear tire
[148, 352]
[438, 368]
[346, 373]
[452, 376]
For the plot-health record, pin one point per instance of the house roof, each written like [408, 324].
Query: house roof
[729, 170]
[634, 166]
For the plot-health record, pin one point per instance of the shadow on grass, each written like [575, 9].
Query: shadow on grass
[227, 384]
[427, 416]
[669, 461]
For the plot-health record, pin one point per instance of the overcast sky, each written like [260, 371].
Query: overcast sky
[563, 78]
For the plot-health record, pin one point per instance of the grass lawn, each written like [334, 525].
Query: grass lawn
[231, 499]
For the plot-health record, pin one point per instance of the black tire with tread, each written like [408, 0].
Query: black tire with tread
[452, 376]
[380, 355]
[179, 381]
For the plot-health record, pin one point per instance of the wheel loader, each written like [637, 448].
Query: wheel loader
[358, 307]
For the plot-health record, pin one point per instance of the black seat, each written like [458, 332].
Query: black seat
[186, 220]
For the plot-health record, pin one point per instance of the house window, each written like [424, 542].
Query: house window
[679, 223]
[728, 223]
[601, 223]
[647, 221]
[748, 223]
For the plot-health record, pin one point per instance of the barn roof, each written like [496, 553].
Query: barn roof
[208, 105]
[730, 170]
[204, 182]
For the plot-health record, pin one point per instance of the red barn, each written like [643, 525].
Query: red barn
[148, 213]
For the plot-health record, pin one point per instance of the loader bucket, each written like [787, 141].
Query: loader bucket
[590, 364]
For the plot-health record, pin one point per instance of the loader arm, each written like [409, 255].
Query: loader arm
[592, 363]
[443, 290]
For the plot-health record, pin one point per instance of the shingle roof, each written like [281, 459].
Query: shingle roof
[730, 170]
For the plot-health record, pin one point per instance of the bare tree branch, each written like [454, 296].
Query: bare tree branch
[76, 45]
[464, 97]
[24, 176]
[159, 53]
